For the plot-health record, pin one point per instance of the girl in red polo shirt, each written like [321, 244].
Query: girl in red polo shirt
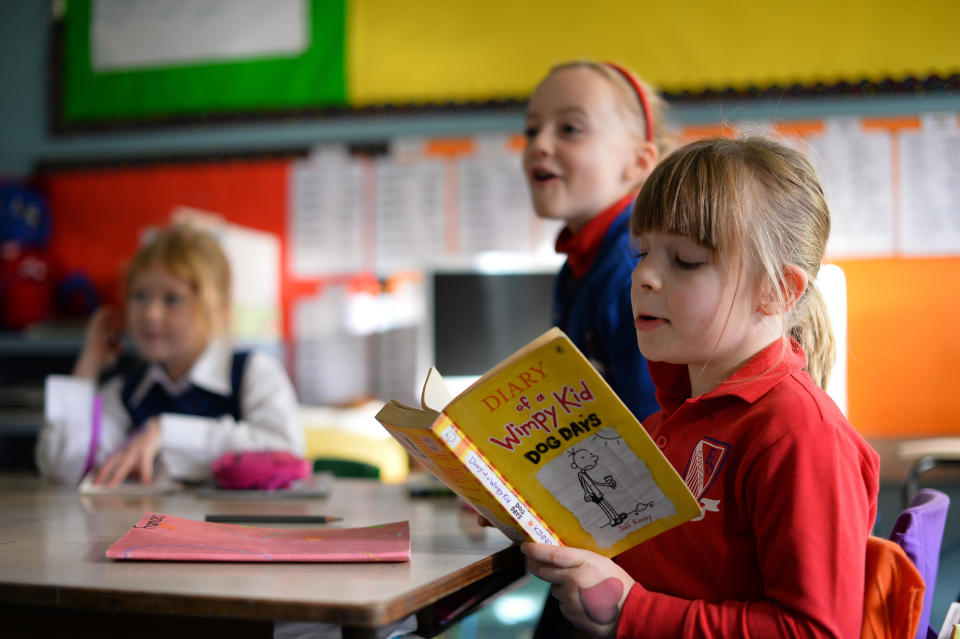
[730, 236]
[594, 132]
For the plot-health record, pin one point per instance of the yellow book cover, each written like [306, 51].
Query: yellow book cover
[544, 448]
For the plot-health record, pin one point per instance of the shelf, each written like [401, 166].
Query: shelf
[26, 344]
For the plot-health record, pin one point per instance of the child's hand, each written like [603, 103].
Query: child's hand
[590, 588]
[134, 458]
[101, 345]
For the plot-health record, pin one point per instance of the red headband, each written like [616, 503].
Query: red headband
[641, 94]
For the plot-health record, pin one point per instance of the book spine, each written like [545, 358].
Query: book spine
[526, 517]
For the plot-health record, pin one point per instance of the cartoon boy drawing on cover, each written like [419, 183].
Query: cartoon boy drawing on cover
[584, 460]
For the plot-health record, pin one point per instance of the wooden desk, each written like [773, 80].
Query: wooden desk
[56, 581]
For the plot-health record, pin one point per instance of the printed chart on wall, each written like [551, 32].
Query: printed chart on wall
[892, 184]
[423, 200]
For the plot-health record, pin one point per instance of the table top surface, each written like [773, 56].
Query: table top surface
[53, 540]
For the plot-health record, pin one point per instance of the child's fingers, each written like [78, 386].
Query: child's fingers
[556, 556]
[110, 470]
[556, 565]
[560, 577]
[103, 472]
[122, 471]
[146, 467]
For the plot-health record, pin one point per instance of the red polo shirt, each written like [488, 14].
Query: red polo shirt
[789, 492]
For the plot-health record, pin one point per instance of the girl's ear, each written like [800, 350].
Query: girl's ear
[225, 317]
[794, 284]
[218, 318]
[645, 158]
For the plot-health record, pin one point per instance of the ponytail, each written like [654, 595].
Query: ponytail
[815, 334]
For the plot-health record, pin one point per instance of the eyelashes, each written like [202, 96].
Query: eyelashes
[682, 264]
[688, 266]
[563, 130]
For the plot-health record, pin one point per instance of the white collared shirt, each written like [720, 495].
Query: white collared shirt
[189, 444]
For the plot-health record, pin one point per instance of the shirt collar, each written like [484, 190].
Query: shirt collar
[211, 371]
[581, 247]
[751, 382]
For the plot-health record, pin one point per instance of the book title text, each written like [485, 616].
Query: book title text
[547, 420]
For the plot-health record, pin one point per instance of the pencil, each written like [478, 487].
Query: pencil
[272, 519]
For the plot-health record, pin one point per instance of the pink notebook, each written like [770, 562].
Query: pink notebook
[167, 538]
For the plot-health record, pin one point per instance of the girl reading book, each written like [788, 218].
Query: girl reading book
[730, 235]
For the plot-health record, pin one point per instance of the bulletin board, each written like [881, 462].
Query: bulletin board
[188, 91]
[366, 55]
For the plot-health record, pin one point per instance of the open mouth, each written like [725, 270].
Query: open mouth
[648, 322]
[542, 175]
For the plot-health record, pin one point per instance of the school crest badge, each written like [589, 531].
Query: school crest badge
[703, 468]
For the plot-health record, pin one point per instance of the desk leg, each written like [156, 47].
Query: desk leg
[446, 612]
[921, 467]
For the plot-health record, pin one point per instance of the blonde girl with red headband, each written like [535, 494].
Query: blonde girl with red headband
[594, 132]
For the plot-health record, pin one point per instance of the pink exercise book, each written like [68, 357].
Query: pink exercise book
[167, 538]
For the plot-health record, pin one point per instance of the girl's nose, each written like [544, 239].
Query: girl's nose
[538, 144]
[153, 309]
[645, 276]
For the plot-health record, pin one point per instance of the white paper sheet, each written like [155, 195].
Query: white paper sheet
[130, 34]
[327, 224]
[930, 187]
[331, 365]
[855, 168]
[494, 205]
[410, 213]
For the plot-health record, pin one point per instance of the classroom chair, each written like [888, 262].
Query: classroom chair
[919, 531]
[346, 468]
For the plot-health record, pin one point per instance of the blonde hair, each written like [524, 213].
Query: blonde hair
[760, 202]
[629, 101]
[193, 255]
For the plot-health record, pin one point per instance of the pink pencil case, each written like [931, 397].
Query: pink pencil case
[260, 470]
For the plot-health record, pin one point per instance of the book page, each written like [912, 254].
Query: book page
[435, 394]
